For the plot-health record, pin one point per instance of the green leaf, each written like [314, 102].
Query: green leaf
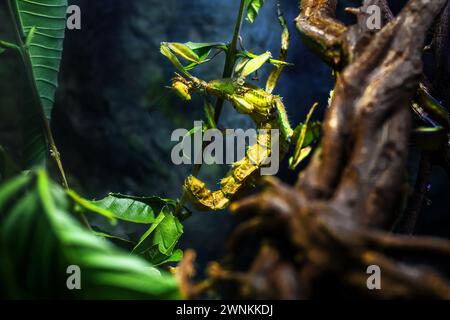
[158, 243]
[90, 206]
[157, 203]
[40, 27]
[253, 7]
[161, 238]
[165, 51]
[10, 189]
[39, 240]
[203, 50]
[158, 259]
[110, 236]
[127, 209]
[210, 112]
[46, 20]
[300, 154]
[240, 65]
[182, 50]
[250, 66]
[274, 62]
[194, 52]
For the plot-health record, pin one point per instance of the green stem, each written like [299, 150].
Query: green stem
[231, 57]
[227, 73]
[24, 54]
[230, 61]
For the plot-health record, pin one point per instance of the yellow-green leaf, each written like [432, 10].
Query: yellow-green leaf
[182, 50]
[254, 64]
[253, 7]
[300, 154]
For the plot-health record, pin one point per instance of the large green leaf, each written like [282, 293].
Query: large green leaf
[40, 27]
[203, 50]
[48, 19]
[127, 209]
[195, 53]
[158, 243]
[39, 240]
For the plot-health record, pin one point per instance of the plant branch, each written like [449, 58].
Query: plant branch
[231, 57]
[227, 73]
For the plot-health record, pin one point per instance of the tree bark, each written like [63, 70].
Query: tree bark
[323, 234]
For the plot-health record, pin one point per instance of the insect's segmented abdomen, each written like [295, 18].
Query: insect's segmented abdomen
[259, 98]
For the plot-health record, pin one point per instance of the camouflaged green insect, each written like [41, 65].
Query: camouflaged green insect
[266, 110]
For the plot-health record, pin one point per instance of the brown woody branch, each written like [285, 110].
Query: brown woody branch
[324, 233]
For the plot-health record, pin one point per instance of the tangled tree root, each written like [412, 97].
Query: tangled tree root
[318, 239]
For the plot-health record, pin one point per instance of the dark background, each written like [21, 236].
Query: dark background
[113, 117]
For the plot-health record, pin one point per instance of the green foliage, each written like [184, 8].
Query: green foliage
[122, 207]
[246, 97]
[203, 51]
[302, 148]
[43, 25]
[40, 28]
[253, 7]
[39, 239]
[129, 209]
[248, 66]
[158, 243]
[209, 113]
[193, 52]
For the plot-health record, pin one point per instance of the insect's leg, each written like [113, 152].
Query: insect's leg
[239, 176]
[285, 37]
[284, 124]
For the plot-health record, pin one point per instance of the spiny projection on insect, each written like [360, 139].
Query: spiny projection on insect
[265, 109]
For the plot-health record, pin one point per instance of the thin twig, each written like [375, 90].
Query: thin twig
[231, 57]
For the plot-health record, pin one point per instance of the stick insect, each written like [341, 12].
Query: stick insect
[265, 109]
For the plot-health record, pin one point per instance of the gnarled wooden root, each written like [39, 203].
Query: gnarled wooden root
[327, 231]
